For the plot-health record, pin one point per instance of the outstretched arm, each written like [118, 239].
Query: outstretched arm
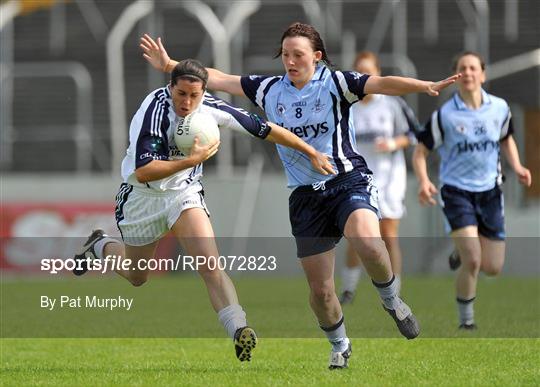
[282, 136]
[392, 85]
[426, 189]
[508, 145]
[154, 52]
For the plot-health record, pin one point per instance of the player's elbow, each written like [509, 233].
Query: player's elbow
[420, 151]
[506, 142]
[417, 154]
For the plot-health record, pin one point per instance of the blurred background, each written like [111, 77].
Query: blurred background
[72, 75]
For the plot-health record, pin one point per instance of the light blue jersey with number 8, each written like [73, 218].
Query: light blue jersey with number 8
[319, 114]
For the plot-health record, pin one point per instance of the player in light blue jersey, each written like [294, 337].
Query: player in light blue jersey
[313, 102]
[468, 132]
[384, 125]
[162, 192]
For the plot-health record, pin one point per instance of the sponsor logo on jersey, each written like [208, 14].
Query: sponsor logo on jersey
[310, 130]
[152, 155]
[479, 146]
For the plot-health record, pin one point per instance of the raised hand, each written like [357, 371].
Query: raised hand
[434, 87]
[154, 52]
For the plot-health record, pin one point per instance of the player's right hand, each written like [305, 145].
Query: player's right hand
[426, 192]
[434, 87]
[200, 153]
[321, 162]
[154, 53]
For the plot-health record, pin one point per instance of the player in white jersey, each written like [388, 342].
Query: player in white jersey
[384, 126]
[162, 191]
[468, 132]
[313, 102]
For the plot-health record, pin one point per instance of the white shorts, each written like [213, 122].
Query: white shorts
[144, 215]
[391, 189]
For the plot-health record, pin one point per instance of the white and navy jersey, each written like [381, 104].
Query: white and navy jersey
[468, 141]
[151, 136]
[318, 114]
[384, 117]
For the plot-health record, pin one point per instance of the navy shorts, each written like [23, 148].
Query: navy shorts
[318, 217]
[483, 209]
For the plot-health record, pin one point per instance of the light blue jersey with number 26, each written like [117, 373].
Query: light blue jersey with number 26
[468, 141]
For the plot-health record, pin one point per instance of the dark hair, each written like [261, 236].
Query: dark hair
[191, 70]
[370, 55]
[465, 53]
[307, 31]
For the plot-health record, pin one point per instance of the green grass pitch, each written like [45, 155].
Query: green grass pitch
[179, 341]
[429, 362]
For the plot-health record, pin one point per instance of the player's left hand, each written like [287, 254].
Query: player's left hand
[321, 162]
[434, 87]
[524, 176]
[154, 52]
[426, 190]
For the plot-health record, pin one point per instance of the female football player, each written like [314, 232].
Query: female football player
[468, 132]
[162, 190]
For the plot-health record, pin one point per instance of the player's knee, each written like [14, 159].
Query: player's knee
[323, 293]
[492, 270]
[371, 249]
[472, 264]
[209, 274]
[391, 241]
[470, 256]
